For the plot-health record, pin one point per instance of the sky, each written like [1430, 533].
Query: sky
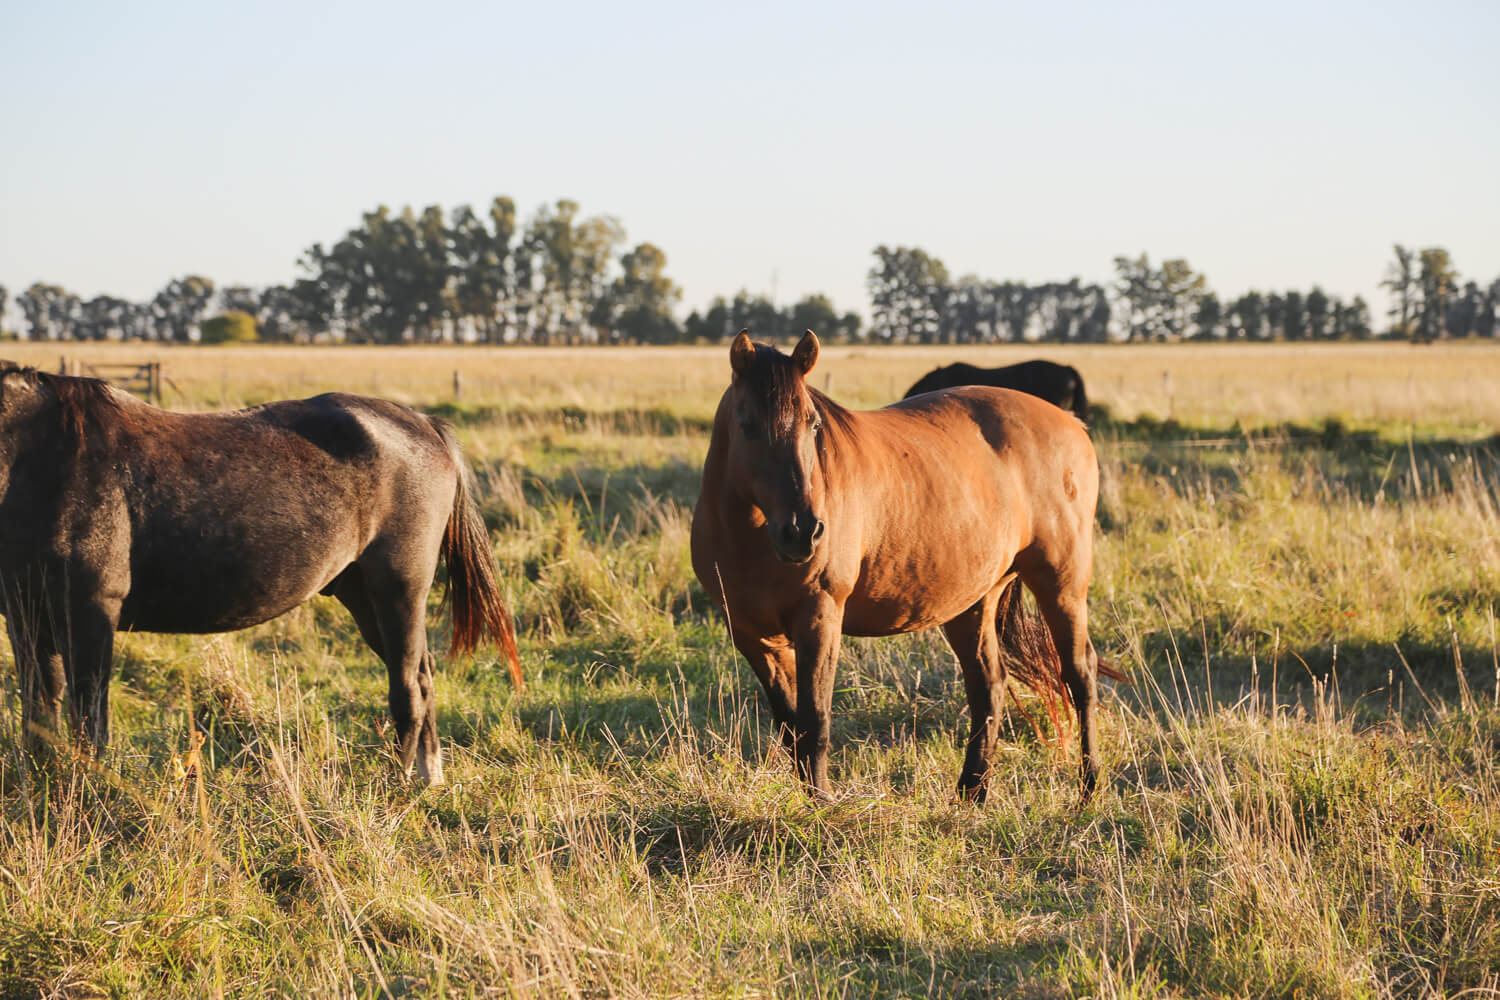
[766, 146]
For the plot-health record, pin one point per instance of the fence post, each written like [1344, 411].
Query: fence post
[458, 385]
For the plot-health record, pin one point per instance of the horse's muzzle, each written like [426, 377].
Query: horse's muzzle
[796, 539]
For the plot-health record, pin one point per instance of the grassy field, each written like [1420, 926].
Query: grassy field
[1297, 563]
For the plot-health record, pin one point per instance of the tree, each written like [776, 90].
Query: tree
[1463, 311]
[567, 269]
[1401, 281]
[757, 314]
[851, 326]
[1180, 288]
[1435, 283]
[239, 298]
[907, 292]
[969, 311]
[712, 326]
[102, 318]
[816, 312]
[1094, 328]
[1317, 308]
[4, 302]
[638, 306]
[1013, 307]
[1209, 317]
[138, 322]
[1486, 323]
[1137, 285]
[1247, 318]
[484, 277]
[1068, 311]
[51, 311]
[180, 305]
[1293, 316]
[1358, 319]
[1275, 316]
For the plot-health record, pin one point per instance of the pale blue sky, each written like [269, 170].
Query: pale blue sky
[1273, 145]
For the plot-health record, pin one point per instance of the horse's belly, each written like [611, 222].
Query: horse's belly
[202, 599]
[894, 616]
[903, 589]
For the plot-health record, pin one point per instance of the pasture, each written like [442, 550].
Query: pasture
[1297, 561]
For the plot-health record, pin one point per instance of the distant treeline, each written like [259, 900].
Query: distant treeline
[560, 278]
[913, 301]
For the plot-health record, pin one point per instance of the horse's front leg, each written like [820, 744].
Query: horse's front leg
[774, 662]
[816, 639]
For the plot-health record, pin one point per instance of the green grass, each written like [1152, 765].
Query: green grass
[1301, 798]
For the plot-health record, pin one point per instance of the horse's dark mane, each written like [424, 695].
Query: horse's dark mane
[81, 400]
[776, 379]
[841, 415]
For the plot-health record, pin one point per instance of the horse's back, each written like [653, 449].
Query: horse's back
[991, 406]
[1020, 436]
[285, 495]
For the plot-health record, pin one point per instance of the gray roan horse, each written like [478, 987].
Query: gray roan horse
[117, 515]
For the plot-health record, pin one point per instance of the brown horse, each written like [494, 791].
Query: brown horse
[118, 515]
[1060, 385]
[817, 522]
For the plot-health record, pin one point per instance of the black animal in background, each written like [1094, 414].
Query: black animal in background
[1060, 385]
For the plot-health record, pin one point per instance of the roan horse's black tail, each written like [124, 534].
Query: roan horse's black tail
[1031, 657]
[477, 607]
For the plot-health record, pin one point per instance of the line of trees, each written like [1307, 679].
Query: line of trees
[914, 300]
[406, 276]
[563, 278]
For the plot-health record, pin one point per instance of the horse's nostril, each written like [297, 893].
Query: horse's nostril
[817, 531]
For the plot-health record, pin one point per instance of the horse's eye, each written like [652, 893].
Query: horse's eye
[750, 429]
[817, 424]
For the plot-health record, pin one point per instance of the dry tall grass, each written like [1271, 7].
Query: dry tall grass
[1302, 794]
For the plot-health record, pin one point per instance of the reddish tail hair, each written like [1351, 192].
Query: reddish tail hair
[473, 595]
[1031, 656]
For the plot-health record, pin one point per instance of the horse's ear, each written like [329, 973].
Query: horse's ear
[741, 353]
[806, 353]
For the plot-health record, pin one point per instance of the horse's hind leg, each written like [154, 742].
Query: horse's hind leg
[391, 615]
[977, 646]
[87, 644]
[1063, 602]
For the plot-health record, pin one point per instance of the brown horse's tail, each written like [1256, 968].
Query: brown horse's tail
[478, 609]
[1031, 656]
